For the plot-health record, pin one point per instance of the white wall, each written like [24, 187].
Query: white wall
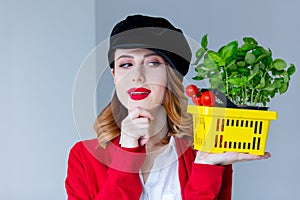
[275, 24]
[42, 46]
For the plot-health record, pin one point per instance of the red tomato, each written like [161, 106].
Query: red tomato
[191, 90]
[197, 99]
[208, 98]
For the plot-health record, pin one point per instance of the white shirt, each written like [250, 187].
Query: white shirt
[163, 180]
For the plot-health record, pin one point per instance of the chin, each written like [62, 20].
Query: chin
[136, 104]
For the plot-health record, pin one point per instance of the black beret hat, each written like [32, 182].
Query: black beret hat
[156, 34]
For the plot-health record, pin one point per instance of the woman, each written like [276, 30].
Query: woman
[143, 148]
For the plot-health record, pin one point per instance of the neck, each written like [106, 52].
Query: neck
[158, 128]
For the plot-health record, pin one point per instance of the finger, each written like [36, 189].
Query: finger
[248, 157]
[267, 155]
[141, 122]
[140, 113]
[143, 141]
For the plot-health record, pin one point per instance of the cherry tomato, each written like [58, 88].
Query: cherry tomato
[191, 90]
[208, 98]
[197, 99]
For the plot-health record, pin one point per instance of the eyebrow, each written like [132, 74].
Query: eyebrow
[129, 56]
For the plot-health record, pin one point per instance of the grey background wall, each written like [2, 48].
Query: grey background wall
[43, 44]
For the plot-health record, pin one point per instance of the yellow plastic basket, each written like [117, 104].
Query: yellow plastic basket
[219, 130]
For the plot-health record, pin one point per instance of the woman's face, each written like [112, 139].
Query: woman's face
[140, 78]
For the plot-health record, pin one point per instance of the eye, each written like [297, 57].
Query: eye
[125, 65]
[154, 61]
[154, 64]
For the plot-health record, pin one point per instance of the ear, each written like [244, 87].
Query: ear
[113, 74]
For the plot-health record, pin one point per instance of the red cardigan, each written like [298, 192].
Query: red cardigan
[89, 178]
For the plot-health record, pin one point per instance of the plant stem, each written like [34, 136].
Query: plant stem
[246, 96]
[252, 94]
[226, 81]
[257, 97]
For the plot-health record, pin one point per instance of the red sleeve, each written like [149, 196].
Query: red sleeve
[76, 183]
[209, 182]
[117, 181]
[123, 180]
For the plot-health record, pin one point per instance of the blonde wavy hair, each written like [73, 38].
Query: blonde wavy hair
[108, 122]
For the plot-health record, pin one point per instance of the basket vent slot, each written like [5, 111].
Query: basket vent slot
[253, 143]
[258, 143]
[234, 145]
[260, 127]
[216, 140]
[255, 127]
[222, 126]
[218, 124]
[240, 145]
[244, 145]
[219, 140]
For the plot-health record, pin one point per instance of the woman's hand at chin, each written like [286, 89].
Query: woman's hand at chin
[135, 128]
[227, 158]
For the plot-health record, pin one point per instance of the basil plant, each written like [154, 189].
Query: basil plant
[246, 74]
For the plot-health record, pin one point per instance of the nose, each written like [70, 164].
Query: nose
[138, 74]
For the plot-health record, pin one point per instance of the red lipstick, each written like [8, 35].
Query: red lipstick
[138, 93]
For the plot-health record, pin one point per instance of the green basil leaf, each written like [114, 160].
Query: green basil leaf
[229, 50]
[198, 78]
[215, 81]
[204, 42]
[259, 58]
[241, 64]
[250, 40]
[283, 88]
[216, 58]
[200, 53]
[242, 70]
[272, 94]
[291, 70]
[244, 81]
[235, 81]
[250, 58]
[261, 66]
[256, 68]
[252, 76]
[269, 88]
[286, 77]
[248, 47]
[262, 82]
[232, 67]
[209, 63]
[199, 68]
[233, 74]
[277, 84]
[279, 64]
